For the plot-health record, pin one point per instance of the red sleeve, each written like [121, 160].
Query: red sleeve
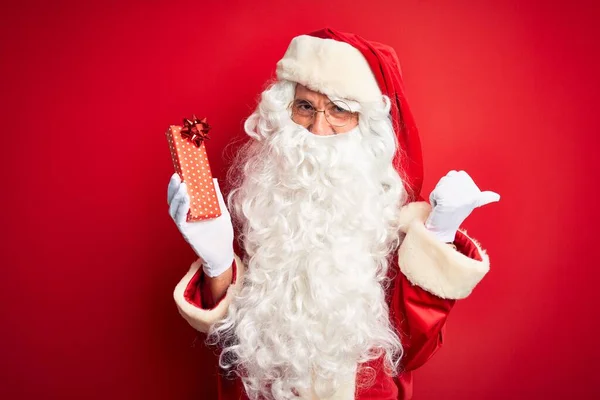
[421, 316]
[198, 292]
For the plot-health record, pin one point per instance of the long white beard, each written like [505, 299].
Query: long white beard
[318, 218]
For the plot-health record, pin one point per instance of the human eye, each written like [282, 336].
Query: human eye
[303, 105]
[338, 108]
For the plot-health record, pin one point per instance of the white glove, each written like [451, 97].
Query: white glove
[212, 239]
[455, 196]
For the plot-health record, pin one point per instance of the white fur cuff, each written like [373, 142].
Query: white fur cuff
[201, 319]
[432, 264]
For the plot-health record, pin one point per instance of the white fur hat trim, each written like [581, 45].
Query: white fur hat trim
[331, 67]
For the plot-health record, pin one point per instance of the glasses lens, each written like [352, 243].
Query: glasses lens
[338, 113]
[302, 112]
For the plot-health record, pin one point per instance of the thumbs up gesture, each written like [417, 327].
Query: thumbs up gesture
[455, 196]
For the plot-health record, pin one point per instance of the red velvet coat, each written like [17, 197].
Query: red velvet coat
[428, 277]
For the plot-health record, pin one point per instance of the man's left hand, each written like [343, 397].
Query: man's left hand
[455, 196]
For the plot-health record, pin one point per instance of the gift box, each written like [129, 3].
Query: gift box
[191, 163]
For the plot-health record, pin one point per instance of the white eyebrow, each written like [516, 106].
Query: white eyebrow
[354, 105]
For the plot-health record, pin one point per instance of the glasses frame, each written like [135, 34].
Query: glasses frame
[315, 111]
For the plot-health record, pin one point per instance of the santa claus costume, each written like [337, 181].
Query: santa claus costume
[341, 286]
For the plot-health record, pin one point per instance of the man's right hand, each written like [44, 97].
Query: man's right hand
[212, 239]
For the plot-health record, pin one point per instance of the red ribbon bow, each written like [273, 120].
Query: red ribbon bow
[195, 130]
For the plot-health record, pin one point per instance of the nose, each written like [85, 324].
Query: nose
[320, 126]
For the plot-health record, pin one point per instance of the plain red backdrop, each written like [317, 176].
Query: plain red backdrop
[504, 90]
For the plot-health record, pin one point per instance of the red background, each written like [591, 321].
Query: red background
[504, 90]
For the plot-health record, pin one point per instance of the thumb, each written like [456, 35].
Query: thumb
[486, 198]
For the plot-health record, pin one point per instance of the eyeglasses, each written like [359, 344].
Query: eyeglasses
[337, 113]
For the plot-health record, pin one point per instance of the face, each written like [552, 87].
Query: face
[308, 100]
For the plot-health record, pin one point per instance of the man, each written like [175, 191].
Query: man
[345, 276]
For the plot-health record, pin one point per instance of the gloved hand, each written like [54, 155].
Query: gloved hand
[212, 239]
[455, 196]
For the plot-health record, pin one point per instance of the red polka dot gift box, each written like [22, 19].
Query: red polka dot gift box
[191, 163]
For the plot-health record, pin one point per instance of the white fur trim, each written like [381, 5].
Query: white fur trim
[345, 392]
[330, 67]
[201, 319]
[432, 264]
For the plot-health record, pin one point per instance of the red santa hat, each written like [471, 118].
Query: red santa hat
[346, 65]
